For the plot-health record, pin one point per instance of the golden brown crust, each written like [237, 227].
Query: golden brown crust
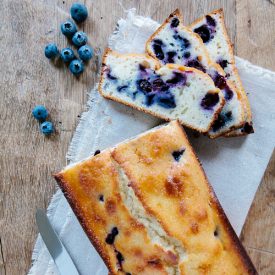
[157, 66]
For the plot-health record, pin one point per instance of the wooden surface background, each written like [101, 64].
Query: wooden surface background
[27, 78]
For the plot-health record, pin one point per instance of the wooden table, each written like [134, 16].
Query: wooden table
[27, 78]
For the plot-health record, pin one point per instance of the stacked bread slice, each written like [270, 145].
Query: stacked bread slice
[148, 208]
[195, 90]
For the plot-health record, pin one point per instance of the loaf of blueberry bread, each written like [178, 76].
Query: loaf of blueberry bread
[174, 43]
[148, 208]
[212, 30]
[169, 92]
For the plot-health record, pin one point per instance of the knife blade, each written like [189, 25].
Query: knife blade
[57, 250]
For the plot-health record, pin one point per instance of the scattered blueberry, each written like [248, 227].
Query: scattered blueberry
[122, 88]
[101, 198]
[109, 75]
[175, 22]
[68, 28]
[120, 258]
[40, 112]
[158, 84]
[186, 55]
[144, 85]
[248, 128]
[85, 53]
[111, 236]
[51, 50]
[220, 82]
[170, 56]
[185, 42]
[195, 63]
[157, 47]
[165, 100]
[178, 78]
[177, 154]
[150, 99]
[221, 121]
[210, 100]
[46, 128]
[97, 152]
[210, 21]
[79, 39]
[228, 94]
[79, 12]
[67, 55]
[223, 63]
[203, 32]
[76, 67]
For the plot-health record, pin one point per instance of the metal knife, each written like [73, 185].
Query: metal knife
[57, 250]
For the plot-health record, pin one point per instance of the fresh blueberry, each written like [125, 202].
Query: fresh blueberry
[51, 50]
[68, 28]
[203, 32]
[67, 55]
[85, 52]
[46, 128]
[76, 67]
[210, 100]
[79, 39]
[40, 112]
[79, 12]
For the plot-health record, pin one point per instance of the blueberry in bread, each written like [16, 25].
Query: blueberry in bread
[148, 208]
[174, 43]
[169, 92]
[213, 32]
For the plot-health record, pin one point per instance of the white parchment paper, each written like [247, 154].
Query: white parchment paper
[234, 166]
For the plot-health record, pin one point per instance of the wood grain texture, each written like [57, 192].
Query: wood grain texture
[27, 78]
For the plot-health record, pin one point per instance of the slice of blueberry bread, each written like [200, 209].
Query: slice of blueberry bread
[212, 30]
[174, 43]
[148, 209]
[169, 92]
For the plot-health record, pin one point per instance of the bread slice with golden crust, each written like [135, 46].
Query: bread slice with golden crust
[169, 92]
[148, 208]
[213, 31]
[172, 42]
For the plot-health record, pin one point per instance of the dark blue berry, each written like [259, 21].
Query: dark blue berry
[68, 28]
[220, 82]
[195, 63]
[79, 12]
[79, 39]
[158, 84]
[175, 22]
[203, 32]
[96, 152]
[210, 21]
[67, 55]
[186, 55]
[170, 56]
[177, 154]
[178, 78]
[157, 47]
[210, 100]
[119, 258]
[248, 128]
[223, 63]
[76, 67]
[228, 94]
[150, 99]
[46, 128]
[101, 198]
[144, 85]
[40, 112]
[165, 100]
[111, 236]
[51, 50]
[85, 52]
[221, 121]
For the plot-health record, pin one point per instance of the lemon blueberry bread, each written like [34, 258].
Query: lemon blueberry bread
[174, 43]
[169, 92]
[212, 30]
[148, 208]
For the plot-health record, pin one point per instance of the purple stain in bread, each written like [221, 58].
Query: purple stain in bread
[203, 32]
[221, 121]
[111, 236]
[109, 75]
[122, 88]
[119, 258]
[175, 22]
[195, 63]
[144, 85]
[223, 63]
[184, 42]
[165, 100]
[159, 85]
[210, 100]
[210, 21]
[177, 154]
[248, 128]
[228, 94]
[177, 79]
[149, 99]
